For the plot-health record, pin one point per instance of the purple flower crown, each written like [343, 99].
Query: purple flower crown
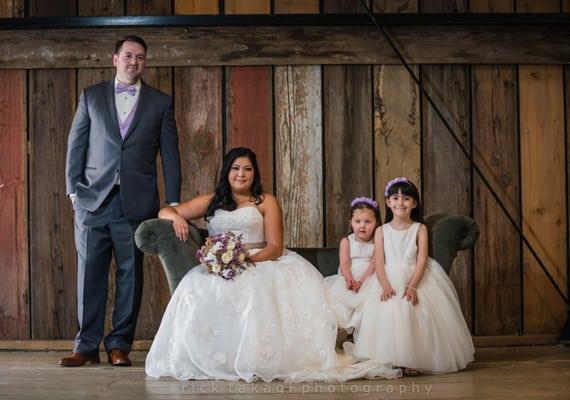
[364, 200]
[393, 182]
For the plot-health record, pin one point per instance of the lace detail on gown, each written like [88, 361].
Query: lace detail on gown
[271, 322]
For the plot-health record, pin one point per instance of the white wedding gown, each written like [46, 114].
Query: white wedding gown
[271, 322]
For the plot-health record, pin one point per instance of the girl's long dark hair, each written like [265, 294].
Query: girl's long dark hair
[408, 189]
[223, 196]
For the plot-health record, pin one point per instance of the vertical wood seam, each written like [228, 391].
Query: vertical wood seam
[521, 242]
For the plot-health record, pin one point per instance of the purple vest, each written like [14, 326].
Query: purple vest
[124, 126]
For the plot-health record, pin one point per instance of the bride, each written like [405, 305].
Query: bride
[271, 322]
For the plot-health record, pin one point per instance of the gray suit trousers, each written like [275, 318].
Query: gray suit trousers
[100, 235]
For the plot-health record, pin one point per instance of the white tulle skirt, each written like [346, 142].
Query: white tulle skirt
[346, 304]
[431, 336]
[272, 322]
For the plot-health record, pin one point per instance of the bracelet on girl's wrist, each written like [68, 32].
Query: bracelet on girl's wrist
[411, 287]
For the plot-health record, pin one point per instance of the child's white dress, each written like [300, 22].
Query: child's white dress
[431, 336]
[347, 304]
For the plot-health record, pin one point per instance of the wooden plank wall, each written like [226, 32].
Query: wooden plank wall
[52, 102]
[397, 123]
[323, 134]
[14, 287]
[348, 134]
[445, 170]
[544, 214]
[298, 146]
[496, 151]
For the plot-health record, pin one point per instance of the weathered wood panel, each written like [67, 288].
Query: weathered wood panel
[149, 7]
[198, 99]
[533, 6]
[543, 197]
[249, 104]
[348, 135]
[299, 175]
[567, 117]
[444, 6]
[397, 130]
[496, 152]
[52, 254]
[52, 101]
[348, 141]
[395, 6]
[52, 8]
[543, 194]
[445, 171]
[98, 8]
[197, 7]
[344, 6]
[491, 6]
[199, 117]
[298, 145]
[296, 6]
[12, 8]
[283, 45]
[247, 6]
[14, 286]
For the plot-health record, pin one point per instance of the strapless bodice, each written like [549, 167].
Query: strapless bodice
[247, 221]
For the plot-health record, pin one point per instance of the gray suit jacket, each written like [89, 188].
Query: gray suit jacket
[97, 155]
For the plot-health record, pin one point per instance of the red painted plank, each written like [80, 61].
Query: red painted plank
[249, 111]
[249, 106]
[14, 294]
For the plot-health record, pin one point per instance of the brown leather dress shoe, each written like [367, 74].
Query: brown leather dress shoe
[78, 360]
[118, 358]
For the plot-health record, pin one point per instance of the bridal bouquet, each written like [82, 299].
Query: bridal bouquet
[224, 255]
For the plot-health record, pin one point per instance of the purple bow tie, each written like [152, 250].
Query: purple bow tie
[132, 90]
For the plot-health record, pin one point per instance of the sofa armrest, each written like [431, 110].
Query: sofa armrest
[157, 237]
[448, 234]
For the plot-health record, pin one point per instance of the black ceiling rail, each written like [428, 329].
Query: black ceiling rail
[282, 20]
[566, 329]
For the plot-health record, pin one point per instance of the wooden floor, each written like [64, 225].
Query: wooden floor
[498, 373]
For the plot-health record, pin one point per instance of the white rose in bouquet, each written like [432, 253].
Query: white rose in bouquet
[216, 268]
[227, 256]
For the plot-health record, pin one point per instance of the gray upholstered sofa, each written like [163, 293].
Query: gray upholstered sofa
[448, 234]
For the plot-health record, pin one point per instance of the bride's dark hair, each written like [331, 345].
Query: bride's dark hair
[223, 196]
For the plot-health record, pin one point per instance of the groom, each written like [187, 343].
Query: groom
[111, 178]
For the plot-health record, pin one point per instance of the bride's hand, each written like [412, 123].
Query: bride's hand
[350, 282]
[180, 226]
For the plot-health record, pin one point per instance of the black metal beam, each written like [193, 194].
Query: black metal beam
[282, 20]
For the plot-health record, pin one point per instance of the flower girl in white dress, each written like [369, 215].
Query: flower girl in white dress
[272, 321]
[416, 321]
[351, 286]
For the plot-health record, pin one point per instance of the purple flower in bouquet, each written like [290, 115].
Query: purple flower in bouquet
[224, 255]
